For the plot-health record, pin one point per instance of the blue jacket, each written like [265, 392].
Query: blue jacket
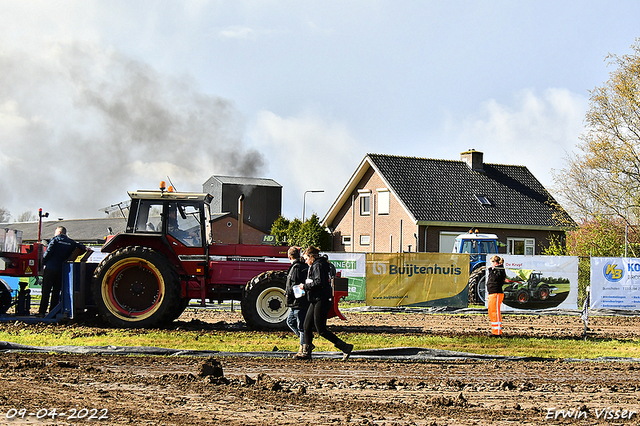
[58, 251]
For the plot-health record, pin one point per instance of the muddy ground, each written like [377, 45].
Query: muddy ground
[66, 389]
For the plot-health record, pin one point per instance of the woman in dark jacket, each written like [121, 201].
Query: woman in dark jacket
[320, 296]
[298, 306]
[495, 281]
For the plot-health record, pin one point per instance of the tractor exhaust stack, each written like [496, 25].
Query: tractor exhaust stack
[240, 218]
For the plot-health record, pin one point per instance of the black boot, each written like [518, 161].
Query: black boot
[346, 349]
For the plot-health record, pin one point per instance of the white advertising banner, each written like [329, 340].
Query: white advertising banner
[349, 264]
[615, 283]
[540, 282]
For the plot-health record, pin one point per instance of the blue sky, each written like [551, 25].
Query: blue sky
[98, 98]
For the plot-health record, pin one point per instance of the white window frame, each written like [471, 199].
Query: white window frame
[365, 240]
[383, 201]
[529, 245]
[364, 194]
[346, 240]
[484, 200]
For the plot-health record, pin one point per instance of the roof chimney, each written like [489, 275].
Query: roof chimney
[473, 159]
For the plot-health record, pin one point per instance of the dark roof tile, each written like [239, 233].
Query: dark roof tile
[445, 191]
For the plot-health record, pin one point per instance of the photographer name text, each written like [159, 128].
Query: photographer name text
[607, 413]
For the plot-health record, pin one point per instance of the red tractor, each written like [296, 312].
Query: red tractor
[166, 257]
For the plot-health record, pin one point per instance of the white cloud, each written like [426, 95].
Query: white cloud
[307, 152]
[536, 131]
[238, 32]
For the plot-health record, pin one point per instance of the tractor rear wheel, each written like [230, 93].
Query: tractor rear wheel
[136, 287]
[477, 286]
[264, 302]
[5, 297]
[180, 308]
[522, 297]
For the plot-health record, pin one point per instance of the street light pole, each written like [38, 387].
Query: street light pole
[304, 200]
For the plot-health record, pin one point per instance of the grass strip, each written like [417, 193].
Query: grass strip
[241, 341]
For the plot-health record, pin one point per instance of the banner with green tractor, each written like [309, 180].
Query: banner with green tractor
[540, 282]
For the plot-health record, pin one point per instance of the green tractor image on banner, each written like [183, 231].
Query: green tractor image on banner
[530, 290]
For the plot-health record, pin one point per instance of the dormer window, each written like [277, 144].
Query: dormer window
[482, 199]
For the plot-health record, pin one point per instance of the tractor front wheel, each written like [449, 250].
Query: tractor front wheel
[136, 287]
[544, 292]
[264, 302]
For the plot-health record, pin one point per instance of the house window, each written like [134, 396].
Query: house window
[365, 240]
[482, 199]
[383, 201]
[346, 240]
[526, 246]
[365, 203]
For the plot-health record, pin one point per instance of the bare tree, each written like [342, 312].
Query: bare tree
[27, 217]
[4, 215]
[603, 179]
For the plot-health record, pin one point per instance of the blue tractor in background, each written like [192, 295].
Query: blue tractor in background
[477, 246]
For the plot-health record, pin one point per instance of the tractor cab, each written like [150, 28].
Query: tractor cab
[183, 218]
[176, 224]
[477, 246]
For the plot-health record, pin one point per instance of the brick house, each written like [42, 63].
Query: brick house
[394, 204]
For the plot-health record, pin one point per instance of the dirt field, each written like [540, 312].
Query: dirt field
[144, 390]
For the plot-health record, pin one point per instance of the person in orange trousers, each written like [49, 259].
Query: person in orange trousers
[495, 281]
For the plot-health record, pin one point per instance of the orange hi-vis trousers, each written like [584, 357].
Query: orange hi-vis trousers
[494, 302]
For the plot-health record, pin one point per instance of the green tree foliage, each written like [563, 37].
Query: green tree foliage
[296, 233]
[603, 237]
[313, 234]
[603, 178]
[279, 230]
[293, 231]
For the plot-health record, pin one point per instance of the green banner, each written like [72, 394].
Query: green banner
[351, 266]
[356, 289]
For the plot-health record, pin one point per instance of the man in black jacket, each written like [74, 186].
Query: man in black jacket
[58, 251]
[298, 305]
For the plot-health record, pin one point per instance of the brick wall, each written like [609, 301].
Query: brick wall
[383, 230]
[225, 231]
